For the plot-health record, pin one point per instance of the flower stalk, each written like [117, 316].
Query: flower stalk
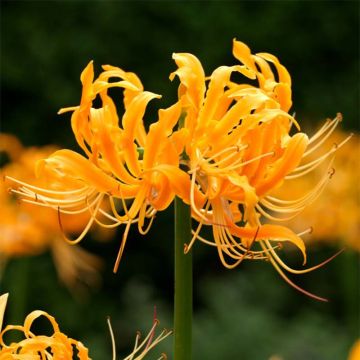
[183, 283]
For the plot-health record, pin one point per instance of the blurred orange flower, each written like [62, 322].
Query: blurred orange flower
[25, 232]
[340, 204]
[355, 351]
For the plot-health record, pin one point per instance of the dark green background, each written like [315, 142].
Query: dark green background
[247, 313]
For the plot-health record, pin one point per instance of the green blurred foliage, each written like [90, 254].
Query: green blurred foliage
[248, 313]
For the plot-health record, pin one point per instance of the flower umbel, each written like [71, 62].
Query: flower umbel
[239, 149]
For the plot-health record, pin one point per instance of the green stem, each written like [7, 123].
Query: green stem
[183, 284]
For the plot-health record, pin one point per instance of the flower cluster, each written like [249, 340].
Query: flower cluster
[223, 148]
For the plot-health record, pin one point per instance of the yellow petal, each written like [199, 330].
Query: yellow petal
[287, 163]
[266, 232]
[243, 53]
[192, 77]
[3, 301]
[73, 163]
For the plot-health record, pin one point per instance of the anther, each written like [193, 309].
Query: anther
[311, 229]
[280, 246]
[331, 172]
[339, 116]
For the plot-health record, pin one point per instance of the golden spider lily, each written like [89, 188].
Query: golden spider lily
[239, 149]
[38, 347]
[59, 346]
[25, 232]
[341, 201]
[124, 162]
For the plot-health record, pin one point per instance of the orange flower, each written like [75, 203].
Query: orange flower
[24, 231]
[239, 149]
[124, 162]
[58, 346]
[42, 347]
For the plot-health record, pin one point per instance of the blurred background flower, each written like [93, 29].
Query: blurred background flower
[335, 215]
[44, 47]
[26, 232]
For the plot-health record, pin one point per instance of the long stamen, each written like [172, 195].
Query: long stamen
[238, 163]
[293, 207]
[86, 229]
[257, 254]
[115, 221]
[122, 218]
[304, 271]
[274, 218]
[192, 197]
[64, 208]
[112, 338]
[37, 189]
[280, 205]
[27, 196]
[122, 247]
[328, 123]
[236, 150]
[306, 168]
[235, 167]
[329, 131]
[195, 233]
[282, 274]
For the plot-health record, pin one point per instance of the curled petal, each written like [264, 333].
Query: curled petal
[267, 232]
[73, 163]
